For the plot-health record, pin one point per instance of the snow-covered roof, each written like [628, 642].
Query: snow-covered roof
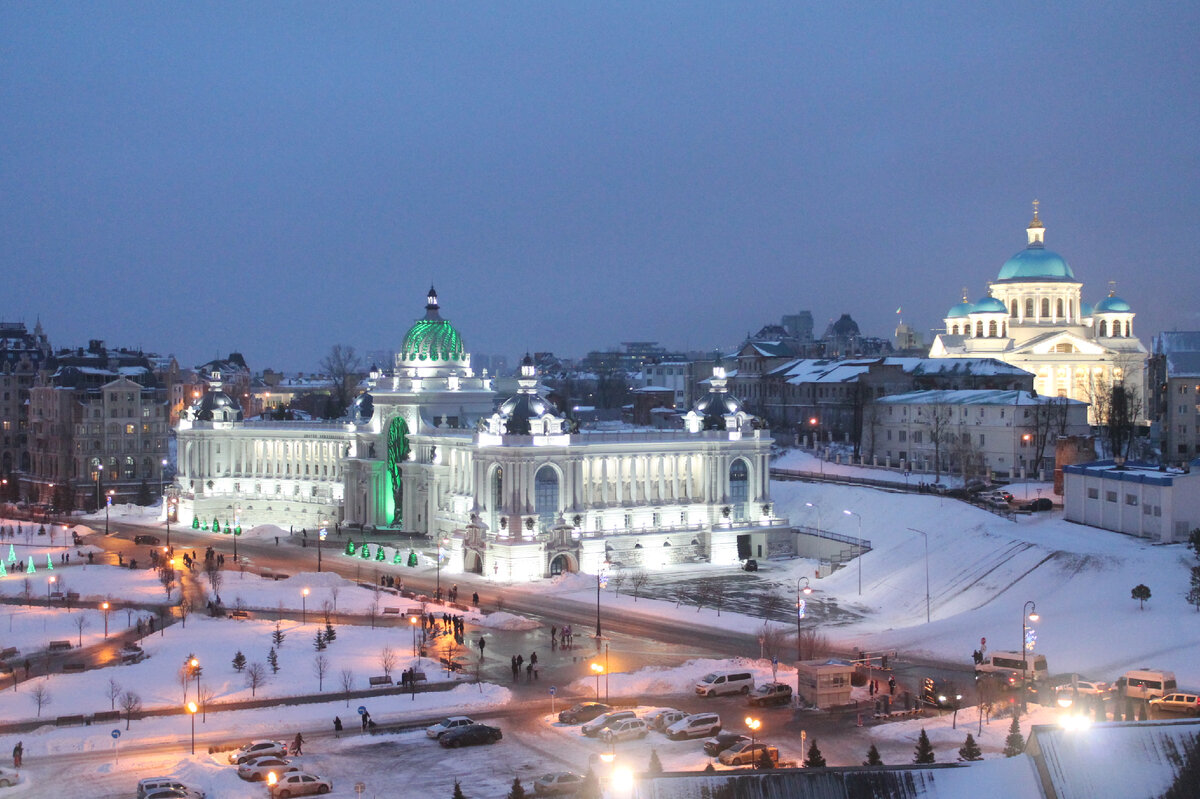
[1132, 472]
[950, 366]
[1132, 758]
[1182, 350]
[647, 389]
[982, 396]
[831, 370]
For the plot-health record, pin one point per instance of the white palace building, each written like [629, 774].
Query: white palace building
[512, 490]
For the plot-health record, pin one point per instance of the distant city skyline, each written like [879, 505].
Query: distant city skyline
[206, 178]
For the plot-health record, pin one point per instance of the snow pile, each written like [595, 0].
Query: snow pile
[660, 681]
[501, 620]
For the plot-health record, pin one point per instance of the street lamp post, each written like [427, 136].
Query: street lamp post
[1030, 615]
[237, 511]
[438, 557]
[601, 581]
[753, 725]
[860, 551]
[50, 587]
[818, 510]
[104, 606]
[597, 669]
[800, 608]
[926, 537]
[195, 664]
[320, 537]
[304, 606]
[107, 504]
[191, 709]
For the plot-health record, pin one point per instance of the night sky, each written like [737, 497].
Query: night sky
[275, 178]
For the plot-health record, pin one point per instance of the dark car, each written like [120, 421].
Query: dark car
[771, 693]
[940, 693]
[1039, 504]
[750, 565]
[584, 711]
[152, 540]
[721, 741]
[471, 735]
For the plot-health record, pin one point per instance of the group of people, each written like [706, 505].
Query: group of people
[873, 687]
[564, 637]
[147, 626]
[531, 668]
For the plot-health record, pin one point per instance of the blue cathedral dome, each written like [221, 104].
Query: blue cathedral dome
[1035, 263]
[962, 309]
[1113, 305]
[989, 305]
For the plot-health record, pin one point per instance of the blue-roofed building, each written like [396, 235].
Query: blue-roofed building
[1034, 317]
[1138, 499]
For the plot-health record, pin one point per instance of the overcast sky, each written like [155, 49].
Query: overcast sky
[275, 178]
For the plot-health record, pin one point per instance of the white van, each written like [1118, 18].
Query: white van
[698, 725]
[718, 683]
[1010, 664]
[1146, 683]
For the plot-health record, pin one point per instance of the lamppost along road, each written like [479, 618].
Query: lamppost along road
[860, 551]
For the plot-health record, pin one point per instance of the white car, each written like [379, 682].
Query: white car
[174, 793]
[258, 749]
[8, 778]
[258, 768]
[625, 730]
[151, 785]
[1092, 687]
[663, 717]
[597, 725]
[300, 784]
[447, 724]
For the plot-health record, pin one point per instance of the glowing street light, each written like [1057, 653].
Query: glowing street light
[107, 504]
[860, 552]
[817, 509]
[271, 778]
[191, 709]
[50, 586]
[753, 725]
[926, 537]
[104, 606]
[195, 665]
[304, 606]
[1028, 613]
[597, 669]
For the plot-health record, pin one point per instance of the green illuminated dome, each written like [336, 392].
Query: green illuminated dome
[432, 340]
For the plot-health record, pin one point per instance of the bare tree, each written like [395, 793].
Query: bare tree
[344, 368]
[27, 592]
[185, 610]
[774, 639]
[347, 684]
[372, 612]
[41, 697]
[1049, 420]
[615, 582]
[387, 660]
[256, 676]
[320, 668]
[212, 570]
[185, 677]
[333, 594]
[811, 644]
[327, 612]
[705, 589]
[81, 624]
[166, 576]
[937, 422]
[113, 691]
[719, 592]
[638, 581]
[769, 604]
[131, 703]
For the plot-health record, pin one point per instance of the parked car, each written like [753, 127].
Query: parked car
[182, 792]
[1146, 683]
[471, 735]
[559, 783]
[1179, 703]
[447, 724]
[771, 693]
[258, 749]
[597, 725]
[9, 778]
[1070, 683]
[625, 730]
[258, 768]
[151, 784]
[940, 693]
[152, 540]
[300, 784]
[697, 725]
[1039, 504]
[750, 565]
[663, 717]
[748, 754]
[584, 711]
[716, 683]
[723, 740]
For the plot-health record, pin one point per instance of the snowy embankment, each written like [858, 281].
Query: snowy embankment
[93, 583]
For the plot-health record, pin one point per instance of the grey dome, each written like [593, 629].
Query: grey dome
[714, 406]
[217, 406]
[363, 407]
[519, 410]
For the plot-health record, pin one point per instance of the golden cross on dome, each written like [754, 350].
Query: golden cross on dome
[1036, 203]
[1112, 288]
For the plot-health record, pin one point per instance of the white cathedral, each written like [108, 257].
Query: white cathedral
[509, 490]
[1033, 317]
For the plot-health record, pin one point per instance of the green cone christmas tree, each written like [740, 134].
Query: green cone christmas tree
[924, 750]
[814, 758]
[970, 750]
[350, 548]
[1014, 744]
[379, 555]
[873, 758]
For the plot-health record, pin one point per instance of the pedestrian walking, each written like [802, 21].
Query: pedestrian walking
[366, 719]
[337, 726]
[533, 658]
[18, 754]
[892, 686]
[529, 672]
[515, 669]
[298, 745]
[26, 664]
[482, 644]
[475, 599]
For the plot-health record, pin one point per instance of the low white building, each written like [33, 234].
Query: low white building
[1136, 499]
[998, 431]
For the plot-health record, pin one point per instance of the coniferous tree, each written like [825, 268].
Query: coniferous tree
[655, 766]
[814, 758]
[1014, 744]
[273, 659]
[873, 758]
[278, 636]
[764, 759]
[517, 791]
[330, 635]
[319, 643]
[239, 661]
[970, 750]
[458, 791]
[709, 769]
[924, 750]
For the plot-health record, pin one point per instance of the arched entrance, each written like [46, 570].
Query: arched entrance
[561, 564]
[472, 562]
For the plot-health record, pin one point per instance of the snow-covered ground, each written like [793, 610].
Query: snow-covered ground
[94, 582]
[32, 629]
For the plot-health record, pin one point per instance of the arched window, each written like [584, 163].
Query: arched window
[992, 328]
[954, 330]
[979, 329]
[545, 496]
[113, 472]
[739, 488]
[1128, 328]
[1013, 305]
[497, 488]
[1103, 328]
[130, 469]
[1060, 314]
[1045, 307]
[147, 468]
[1028, 308]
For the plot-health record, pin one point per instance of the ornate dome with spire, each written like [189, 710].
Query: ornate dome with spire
[526, 412]
[432, 340]
[718, 409]
[1035, 262]
[216, 405]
